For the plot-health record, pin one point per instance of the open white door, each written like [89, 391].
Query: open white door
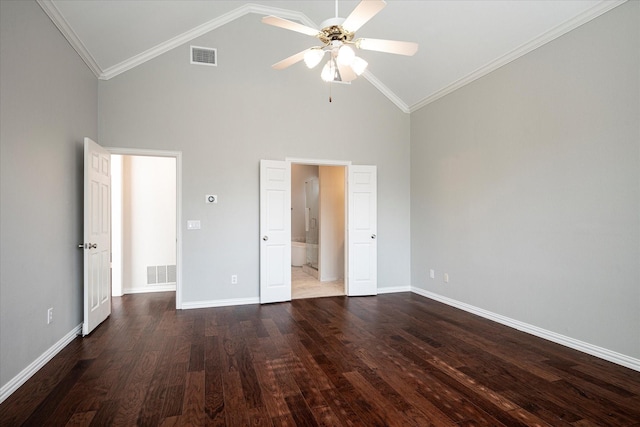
[97, 235]
[275, 231]
[363, 247]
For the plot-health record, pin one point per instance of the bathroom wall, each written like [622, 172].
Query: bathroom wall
[299, 174]
[332, 222]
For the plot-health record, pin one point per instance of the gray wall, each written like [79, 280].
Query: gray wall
[525, 187]
[48, 104]
[225, 119]
[525, 184]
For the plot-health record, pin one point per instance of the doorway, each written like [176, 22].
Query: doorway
[275, 229]
[318, 224]
[146, 238]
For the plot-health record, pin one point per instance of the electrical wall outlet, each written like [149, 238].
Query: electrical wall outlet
[234, 279]
[49, 315]
[446, 277]
[432, 274]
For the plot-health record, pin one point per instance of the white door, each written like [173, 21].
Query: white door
[363, 246]
[97, 235]
[275, 231]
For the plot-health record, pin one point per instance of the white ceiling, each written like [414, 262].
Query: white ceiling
[459, 40]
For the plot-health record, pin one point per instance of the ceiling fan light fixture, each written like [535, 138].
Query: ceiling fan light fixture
[330, 72]
[358, 65]
[313, 57]
[338, 38]
[346, 55]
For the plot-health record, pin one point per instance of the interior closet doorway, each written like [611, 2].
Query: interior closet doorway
[145, 222]
[318, 230]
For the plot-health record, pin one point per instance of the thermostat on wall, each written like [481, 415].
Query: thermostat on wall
[211, 198]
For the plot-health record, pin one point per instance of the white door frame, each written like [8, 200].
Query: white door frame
[346, 164]
[178, 156]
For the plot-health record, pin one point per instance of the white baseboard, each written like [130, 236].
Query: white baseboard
[219, 303]
[152, 288]
[594, 350]
[15, 383]
[394, 289]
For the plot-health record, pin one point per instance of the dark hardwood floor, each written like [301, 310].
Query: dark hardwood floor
[391, 360]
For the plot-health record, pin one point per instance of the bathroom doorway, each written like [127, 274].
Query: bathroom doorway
[317, 230]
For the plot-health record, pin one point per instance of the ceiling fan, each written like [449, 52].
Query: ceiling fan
[337, 36]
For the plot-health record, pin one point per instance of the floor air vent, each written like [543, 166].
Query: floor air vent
[204, 56]
[171, 273]
[152, 277]
[160, 274]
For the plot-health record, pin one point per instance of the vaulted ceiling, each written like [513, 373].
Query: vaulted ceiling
[459, 40]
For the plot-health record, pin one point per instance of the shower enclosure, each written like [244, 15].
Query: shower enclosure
[312, 192]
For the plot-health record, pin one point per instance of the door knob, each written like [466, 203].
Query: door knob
[265, 238]
[373, 236]
[92, 246]
[81, 246]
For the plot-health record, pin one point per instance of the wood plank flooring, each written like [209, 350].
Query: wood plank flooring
[391, 360]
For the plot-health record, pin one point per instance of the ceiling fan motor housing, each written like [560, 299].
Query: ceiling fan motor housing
[332, 30]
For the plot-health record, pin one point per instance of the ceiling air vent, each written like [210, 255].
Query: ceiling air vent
[204, 56]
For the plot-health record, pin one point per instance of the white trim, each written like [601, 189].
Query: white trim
[319, 162]
[149, 289]
[24, 375]
[594, 350]
[386, 91]
[200, 30]
[220, 303]
[58, 20]
[521, 50]
[178, 156]
[394, 290]
[143, 152]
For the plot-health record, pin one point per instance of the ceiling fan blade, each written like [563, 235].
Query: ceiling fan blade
[290, 60]
[346, 73]
[290, 25]
[363, 12]
[388, 46]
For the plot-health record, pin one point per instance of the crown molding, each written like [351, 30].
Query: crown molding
[521, 50]
[58, 20]
[386, 91]
[200, 31]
